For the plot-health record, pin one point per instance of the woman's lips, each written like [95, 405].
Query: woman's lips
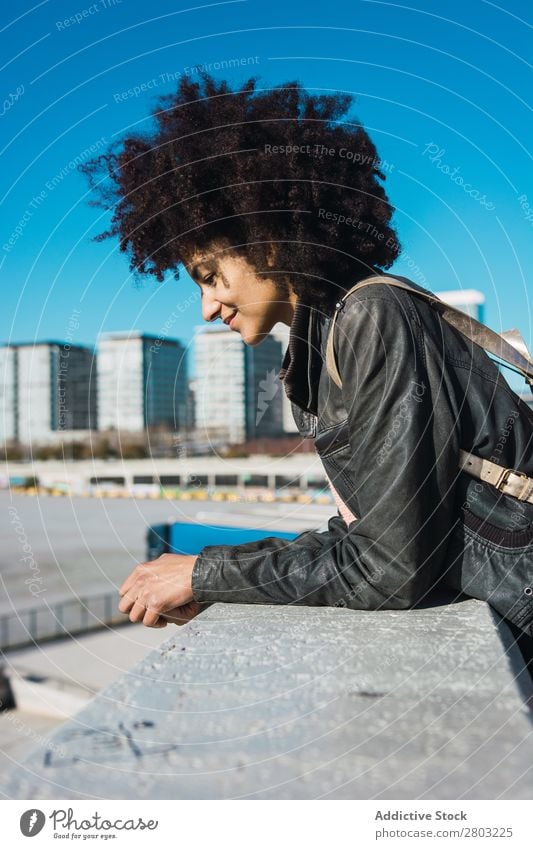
[232, 319]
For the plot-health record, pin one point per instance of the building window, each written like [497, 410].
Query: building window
[226, 480]
[317, 483]
[255, 480]
[106, 480]
[197, 480]
[170, 480]
[283, 481]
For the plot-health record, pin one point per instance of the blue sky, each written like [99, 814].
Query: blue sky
[441, 88]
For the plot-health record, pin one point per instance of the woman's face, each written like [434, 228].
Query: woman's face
[233, 290]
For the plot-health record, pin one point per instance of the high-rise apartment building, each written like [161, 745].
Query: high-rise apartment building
[142, 382]
[8, 393]
[47, 388]
[264, 389]
[238, 392]
[191, 405]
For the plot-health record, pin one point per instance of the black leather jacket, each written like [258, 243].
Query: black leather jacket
[414, 392]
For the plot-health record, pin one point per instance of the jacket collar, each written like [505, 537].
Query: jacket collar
[304, 357]
[302, 362]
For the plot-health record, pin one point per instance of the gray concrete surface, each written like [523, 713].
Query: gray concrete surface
[41, 676]
[262, 702]
[20, 732]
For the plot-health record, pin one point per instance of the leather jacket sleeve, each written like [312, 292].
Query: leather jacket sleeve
[401, 461]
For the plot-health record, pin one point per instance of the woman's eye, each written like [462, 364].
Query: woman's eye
[209, 279]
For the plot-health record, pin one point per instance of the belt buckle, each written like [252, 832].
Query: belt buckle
[503, 480]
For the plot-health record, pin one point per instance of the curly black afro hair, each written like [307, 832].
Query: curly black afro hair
[252, 166]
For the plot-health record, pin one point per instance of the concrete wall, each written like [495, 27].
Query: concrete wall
[262, 702]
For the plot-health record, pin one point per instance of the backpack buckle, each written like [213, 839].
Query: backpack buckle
[503, 481]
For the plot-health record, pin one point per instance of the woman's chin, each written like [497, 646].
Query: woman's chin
[247, 336]
[252, 339]
[253, 336]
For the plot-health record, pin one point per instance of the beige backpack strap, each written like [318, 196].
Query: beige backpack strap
[509, 481]
[508, 346]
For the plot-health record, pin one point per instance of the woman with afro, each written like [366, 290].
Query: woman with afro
[272, 200]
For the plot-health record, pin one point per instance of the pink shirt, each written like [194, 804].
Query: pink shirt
[345, 512]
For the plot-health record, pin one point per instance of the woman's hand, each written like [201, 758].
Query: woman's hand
[181, 615]
[160, 590]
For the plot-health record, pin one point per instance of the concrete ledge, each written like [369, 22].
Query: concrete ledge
[277, 702]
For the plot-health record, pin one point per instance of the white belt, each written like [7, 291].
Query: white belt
[508, 481]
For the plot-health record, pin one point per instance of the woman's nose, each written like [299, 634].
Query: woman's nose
[210, 308]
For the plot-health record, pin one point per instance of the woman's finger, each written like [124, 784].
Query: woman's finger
[137, 612]
[183, 614]
[126, 603]
[128, 583]
[150, 618]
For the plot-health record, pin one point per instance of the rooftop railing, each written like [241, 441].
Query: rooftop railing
[60, 619]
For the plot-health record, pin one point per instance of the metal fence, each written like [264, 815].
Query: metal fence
[58, 620]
